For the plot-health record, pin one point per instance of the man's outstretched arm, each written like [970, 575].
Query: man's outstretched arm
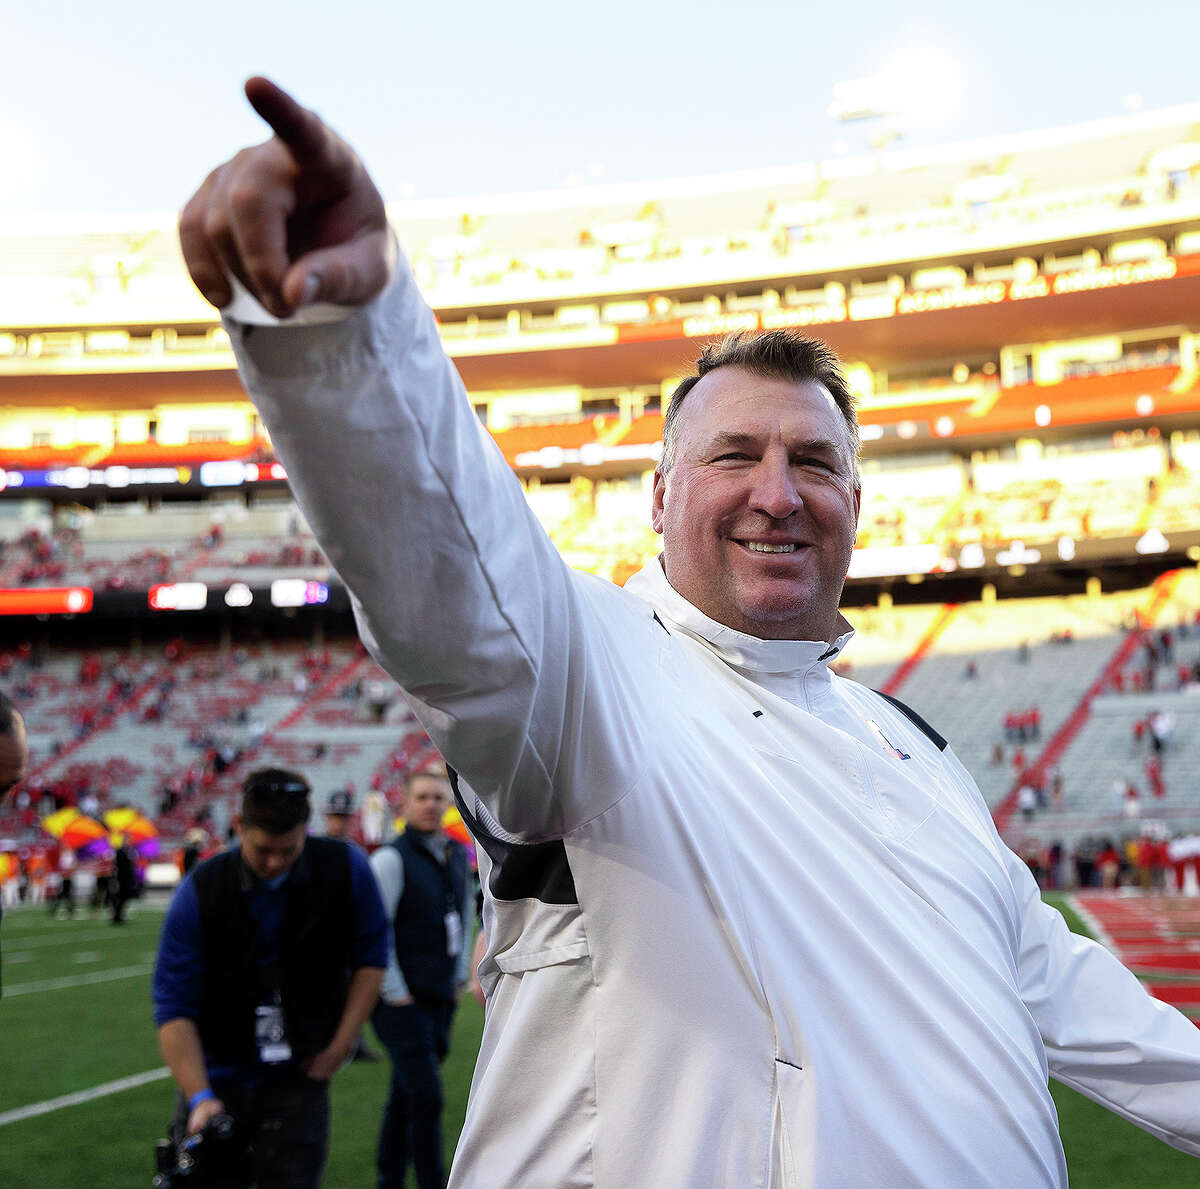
[457, 589]
[1104, 1035]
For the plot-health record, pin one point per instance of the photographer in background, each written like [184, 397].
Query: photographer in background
[270, 962]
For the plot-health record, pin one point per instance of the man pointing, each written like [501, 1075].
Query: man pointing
[749, 924]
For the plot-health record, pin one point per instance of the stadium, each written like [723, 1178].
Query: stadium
[1018, 320]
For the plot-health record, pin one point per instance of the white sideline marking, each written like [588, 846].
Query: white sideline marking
[78, 980]
[37, 943]
[85, 956]
[1099, 932]
[56, 1104]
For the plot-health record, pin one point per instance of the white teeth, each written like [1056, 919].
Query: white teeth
[763, 547]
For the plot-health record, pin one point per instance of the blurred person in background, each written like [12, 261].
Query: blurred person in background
[423, 879]
[14, 747]
[747, 922]
[339, 823]
[124, 879]
[374, 818]
[339, 815]
[14, 760]
[196, 847]
[65, 894]
[269, 964]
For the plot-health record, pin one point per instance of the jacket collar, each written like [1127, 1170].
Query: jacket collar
[747, 653]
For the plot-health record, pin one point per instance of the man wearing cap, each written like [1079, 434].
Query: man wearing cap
[339, 815]
[270, 961]
[423, 877]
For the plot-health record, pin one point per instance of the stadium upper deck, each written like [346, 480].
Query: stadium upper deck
[1018, 305]
[1083, 216]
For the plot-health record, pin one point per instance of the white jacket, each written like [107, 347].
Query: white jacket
[748, 925]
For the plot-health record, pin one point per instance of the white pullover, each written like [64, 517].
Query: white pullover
[749, 925]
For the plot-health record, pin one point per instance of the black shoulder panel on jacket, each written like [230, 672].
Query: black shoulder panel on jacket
[916, 720]
[521, 871]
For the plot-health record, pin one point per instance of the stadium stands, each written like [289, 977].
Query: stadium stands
[193, 722]
[173, 732]
[1018, 321]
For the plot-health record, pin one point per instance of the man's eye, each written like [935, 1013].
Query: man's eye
[735, 456]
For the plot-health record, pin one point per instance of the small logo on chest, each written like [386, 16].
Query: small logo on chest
[889, 747]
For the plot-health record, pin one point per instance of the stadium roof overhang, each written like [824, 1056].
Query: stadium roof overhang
[880, 342]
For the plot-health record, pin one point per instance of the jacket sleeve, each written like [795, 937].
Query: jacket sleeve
[1104, 1035]
[388, 869]
[178, 984]
[518, 668]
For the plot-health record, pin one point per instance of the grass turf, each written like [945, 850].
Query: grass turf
[57, 1041]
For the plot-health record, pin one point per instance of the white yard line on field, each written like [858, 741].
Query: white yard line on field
[78, 980]
[57, 1104]
[37, 943]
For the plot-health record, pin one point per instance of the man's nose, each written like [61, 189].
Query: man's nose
[774, 492]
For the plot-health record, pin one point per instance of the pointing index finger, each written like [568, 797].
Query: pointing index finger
[300, 129]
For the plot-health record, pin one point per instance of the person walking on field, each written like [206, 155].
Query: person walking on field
[269, 963]
[124, 881]
[424, 881]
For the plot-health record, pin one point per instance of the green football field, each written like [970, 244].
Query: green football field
[76, 1018]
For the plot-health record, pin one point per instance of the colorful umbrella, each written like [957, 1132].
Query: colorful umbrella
[74, 829]
[454, 825]
[130, 826]
[134, 825]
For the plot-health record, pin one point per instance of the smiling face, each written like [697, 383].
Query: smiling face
[759, 511]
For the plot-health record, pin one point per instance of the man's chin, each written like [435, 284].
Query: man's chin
[778, 619]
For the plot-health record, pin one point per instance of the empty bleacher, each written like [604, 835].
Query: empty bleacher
[197, 720]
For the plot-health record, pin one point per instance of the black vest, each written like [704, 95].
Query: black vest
[315, 940]
[431, 890]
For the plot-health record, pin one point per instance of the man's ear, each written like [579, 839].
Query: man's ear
[236, 822]
[656, 501]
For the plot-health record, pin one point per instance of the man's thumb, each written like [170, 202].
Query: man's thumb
[348, 274]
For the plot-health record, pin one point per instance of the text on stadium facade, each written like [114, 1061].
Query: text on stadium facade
[951, 297]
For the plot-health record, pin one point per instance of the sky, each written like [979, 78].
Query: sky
[122, 107]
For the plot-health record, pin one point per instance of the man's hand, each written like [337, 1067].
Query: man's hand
[296, 219]
[327, 1062]
[205, 1111]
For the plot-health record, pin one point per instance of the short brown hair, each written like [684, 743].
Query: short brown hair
[779, 354]
[435, 773]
